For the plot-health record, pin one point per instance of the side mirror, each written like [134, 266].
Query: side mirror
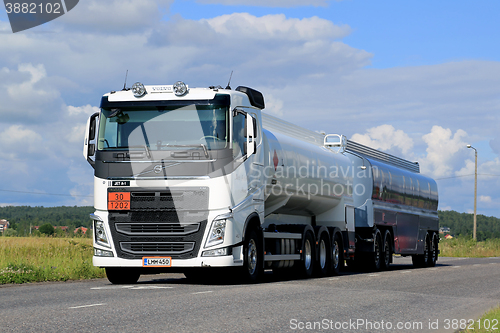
[336, 141]
[250, 133]
[90, 132]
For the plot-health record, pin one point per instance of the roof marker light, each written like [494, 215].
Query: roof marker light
[138, 89]
[180, 88]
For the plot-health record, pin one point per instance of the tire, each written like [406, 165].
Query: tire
[306, 265]
[422, 260]
[324, 255]
[387, 250]
[434, 250]
[337, 262]
[252, 258]
[119, 275]
[376, 257]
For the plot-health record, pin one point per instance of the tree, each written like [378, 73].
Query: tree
[47, 229]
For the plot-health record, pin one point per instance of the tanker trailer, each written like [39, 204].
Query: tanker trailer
[194, 179]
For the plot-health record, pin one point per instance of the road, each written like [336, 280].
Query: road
[402, 299]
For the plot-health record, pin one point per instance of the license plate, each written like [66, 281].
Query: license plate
[156, 262]
[119, 201]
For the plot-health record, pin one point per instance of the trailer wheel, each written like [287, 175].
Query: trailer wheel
[324, 254]
[434, 250]
[337, 255]
[306, 266]
[252, 266]
[120, 275]
[376, 257]
[387, 250]
[422, 260]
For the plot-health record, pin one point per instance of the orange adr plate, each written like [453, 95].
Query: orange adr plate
[119, 201]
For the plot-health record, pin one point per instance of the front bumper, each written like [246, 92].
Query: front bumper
[233, 260]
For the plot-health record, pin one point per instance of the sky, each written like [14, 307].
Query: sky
[417, 79]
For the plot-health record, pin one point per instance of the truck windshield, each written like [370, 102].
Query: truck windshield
[164, 128]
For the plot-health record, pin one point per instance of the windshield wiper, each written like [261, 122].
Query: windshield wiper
[148, 152]
[205, 150]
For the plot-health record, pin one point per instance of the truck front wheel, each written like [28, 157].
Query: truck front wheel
[120, 275]
[252, 265]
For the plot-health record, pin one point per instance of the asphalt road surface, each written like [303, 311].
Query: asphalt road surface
[402, 299]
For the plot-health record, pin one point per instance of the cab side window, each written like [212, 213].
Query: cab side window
[239, 135]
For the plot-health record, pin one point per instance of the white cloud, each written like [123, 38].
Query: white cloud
[442, 148]
[274, 106]
[25, 93]
[20, 143]
[115, 16]
[274, 27]
[269, 3]
[86, 110]
[385, 137]
[485, 198]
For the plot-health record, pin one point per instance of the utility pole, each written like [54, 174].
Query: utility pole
[475, 192]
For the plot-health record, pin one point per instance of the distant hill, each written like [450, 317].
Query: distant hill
[21, 217]
[461, 224]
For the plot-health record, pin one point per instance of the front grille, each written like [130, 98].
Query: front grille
[157, 248]
[160, 222]
[155, 229]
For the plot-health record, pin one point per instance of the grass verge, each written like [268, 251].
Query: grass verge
[462, 247]
[490, 322]
[33, 259]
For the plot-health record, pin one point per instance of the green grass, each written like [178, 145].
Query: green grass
[491, 320]
[36, 259]
[462, 247]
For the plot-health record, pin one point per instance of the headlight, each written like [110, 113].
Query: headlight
[216, 235]
[225, 251]
[138, 89]
[102, 253]
[100, 236]
[180, 88]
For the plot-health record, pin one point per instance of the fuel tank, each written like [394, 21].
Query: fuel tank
[302, 176]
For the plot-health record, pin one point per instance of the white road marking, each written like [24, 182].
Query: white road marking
[150, 287]
[404, 272]
[202, 292]
[334, 279]
[131, 287]
[112, 287]
[457, 266]
[86, 306]
[373, 274]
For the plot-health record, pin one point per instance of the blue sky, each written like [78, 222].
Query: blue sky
[419, 79]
